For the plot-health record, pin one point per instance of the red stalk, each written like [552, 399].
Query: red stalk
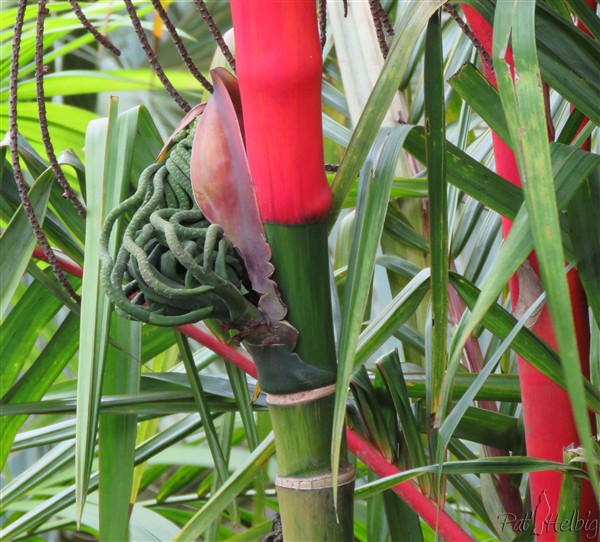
[509, 495]
[279, 68]
[547, 414]
[422, 505]
[218, 347]
[66, 265]
[447, 528]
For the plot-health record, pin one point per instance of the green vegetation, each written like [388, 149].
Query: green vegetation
[445, 369]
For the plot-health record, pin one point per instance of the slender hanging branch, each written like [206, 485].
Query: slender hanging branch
[385, 20]
[485, 57]
[100, 38]
[14, 154]
[41, 106]
[183, 52]
[158, 70]
[323, 22]
[216, 33]
[376, 8]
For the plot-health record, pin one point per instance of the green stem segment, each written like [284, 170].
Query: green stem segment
[301, 262]
[300, 386]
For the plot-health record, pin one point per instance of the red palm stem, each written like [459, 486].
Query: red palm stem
[279, 68]
[429, 512]
[547, 413]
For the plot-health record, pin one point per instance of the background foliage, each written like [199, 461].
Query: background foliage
[194, 456]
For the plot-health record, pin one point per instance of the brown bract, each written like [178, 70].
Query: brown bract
[224, 191]
[530, 288]
[185, 121]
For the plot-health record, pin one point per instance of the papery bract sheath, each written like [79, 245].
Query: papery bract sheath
[224, 191]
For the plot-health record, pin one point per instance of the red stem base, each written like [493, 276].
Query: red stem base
[547, 412]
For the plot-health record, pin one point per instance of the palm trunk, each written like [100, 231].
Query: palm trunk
[300, 387]
[547, 413]
[279, 70]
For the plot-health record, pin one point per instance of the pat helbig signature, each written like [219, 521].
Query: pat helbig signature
[532, 521]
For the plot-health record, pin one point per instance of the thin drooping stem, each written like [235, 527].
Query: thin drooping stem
[323, 22]
[375, 7]
[216, 33]
[385, 20]
[41, 106]
[14, 153]
[100, 38]
[158, 70]
[178, 42]
[485, 57]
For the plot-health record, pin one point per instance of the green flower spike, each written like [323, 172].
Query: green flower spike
[172, 266]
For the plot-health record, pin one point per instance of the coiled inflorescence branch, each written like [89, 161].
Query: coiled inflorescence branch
[172, 267]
